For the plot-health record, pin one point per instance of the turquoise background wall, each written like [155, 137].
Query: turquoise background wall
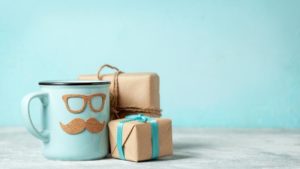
[228, 63]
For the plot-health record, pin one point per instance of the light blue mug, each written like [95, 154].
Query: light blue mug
[74, 119]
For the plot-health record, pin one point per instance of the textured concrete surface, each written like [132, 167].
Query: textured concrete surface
[193, 148]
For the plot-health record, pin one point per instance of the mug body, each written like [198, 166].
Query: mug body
[76, 117]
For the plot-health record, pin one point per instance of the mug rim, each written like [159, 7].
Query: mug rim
[72, 82]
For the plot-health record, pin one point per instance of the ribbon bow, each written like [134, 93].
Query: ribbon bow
[144, 119]
[139, 117]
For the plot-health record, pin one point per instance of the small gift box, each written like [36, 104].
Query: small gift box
[140, 138]
[131, 93]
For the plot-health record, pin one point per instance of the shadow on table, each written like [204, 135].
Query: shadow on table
[191, 146]
[175, 157]
[185, 151]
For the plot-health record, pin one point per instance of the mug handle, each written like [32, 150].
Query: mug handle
[43, 96]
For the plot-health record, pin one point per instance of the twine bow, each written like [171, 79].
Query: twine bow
[115, 109]
[143, 119]
[115, 92]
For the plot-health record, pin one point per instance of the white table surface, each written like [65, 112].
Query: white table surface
[193, 148]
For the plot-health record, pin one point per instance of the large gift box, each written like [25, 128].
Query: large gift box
[139, 138]
[131, 93]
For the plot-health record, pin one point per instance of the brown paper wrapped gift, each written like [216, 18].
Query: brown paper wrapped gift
[131, 93]
[137, 144]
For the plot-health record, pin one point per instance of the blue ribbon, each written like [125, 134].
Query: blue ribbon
[143, 119]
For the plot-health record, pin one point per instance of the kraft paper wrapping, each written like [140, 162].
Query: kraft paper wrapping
[137, 139]
[136, 90]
